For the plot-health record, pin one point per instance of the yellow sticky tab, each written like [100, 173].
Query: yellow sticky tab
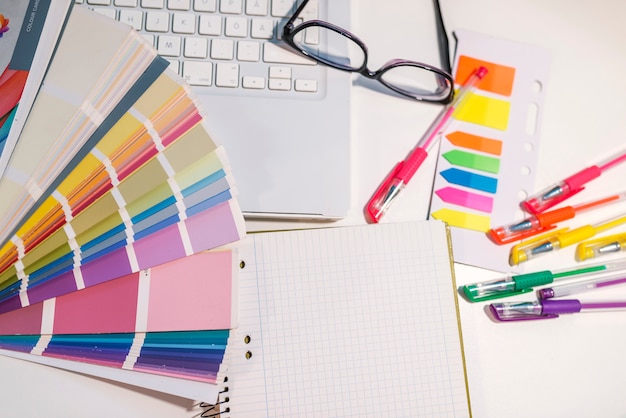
[485, 111]
[465, 220]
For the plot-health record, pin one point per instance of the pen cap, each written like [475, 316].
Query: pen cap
[507, 286]
[561, 191]
[576, 235]
[545, 309]
[517, 311]
[602, 246]
[534, 247]
[533, 225]
[545, 293]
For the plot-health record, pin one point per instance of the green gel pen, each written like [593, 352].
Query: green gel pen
[522, 283]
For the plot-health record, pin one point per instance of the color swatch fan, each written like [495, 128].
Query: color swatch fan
[111, 197]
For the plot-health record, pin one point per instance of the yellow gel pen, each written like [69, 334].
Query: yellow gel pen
[562, 238]
[609, 244]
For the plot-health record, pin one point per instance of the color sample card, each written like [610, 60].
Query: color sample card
[111, 198]
[156, 187]
[80, 91]
[191, 355]
[193, 293]
[487, 156]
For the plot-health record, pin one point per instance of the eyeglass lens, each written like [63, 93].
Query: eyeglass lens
[337, 50]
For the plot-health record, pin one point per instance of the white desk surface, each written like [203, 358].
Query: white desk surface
[570, 367]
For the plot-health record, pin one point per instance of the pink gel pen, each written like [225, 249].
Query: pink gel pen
[567, 188]
[404, 170]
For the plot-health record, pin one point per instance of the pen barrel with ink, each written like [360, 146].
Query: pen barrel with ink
[560, 191]
[523, 283]
[568, 289]
[572, 185]
[402, 173]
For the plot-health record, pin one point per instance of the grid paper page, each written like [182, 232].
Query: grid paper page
[348, 322]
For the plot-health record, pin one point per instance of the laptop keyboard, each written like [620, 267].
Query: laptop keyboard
[223, 46]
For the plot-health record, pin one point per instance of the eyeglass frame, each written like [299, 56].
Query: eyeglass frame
[290, 30]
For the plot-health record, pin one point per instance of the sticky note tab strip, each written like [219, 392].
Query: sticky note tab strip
[488, 154]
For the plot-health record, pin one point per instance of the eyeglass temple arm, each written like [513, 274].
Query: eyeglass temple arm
[442, 39]
[296, 13]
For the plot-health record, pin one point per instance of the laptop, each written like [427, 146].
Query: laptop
[283, 120]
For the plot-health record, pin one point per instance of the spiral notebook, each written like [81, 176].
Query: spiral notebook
[350, 321]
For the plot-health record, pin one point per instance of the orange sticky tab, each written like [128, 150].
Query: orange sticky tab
[475, 142]
[499, 78]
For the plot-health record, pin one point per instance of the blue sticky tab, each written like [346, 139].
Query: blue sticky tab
[471, 180]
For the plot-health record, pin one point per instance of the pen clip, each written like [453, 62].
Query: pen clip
[384, 195]
[506, 313]
[500, 237]
[519, 252]
[538, 203]
[600, 246]
[494, 295]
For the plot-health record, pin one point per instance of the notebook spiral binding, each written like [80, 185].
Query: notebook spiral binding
[221, 408]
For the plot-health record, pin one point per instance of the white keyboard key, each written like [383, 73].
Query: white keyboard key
[210, 25]
[248, 51]
[125, 3]
[236, 27]
[196, 47]
[133, 18]
[168, 46]
[184, 23]
[282, 8]
[256, 7]
[250, 82]
[276, 54]
[310, 12]
[279, 84]
[280, 72]
[106, 12]
[174, 65]
[178, 4]
[306, 85]
[152, 4]
[226, 74]
[262, 28]
[231, 6]
[198, 73]
[150, 38]
[205, 5]
[99, 2]
[222, 49]
[157, 21]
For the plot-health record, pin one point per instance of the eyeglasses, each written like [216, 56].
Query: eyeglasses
[336, 47]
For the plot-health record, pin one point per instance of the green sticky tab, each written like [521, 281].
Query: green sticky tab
[474, 161]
